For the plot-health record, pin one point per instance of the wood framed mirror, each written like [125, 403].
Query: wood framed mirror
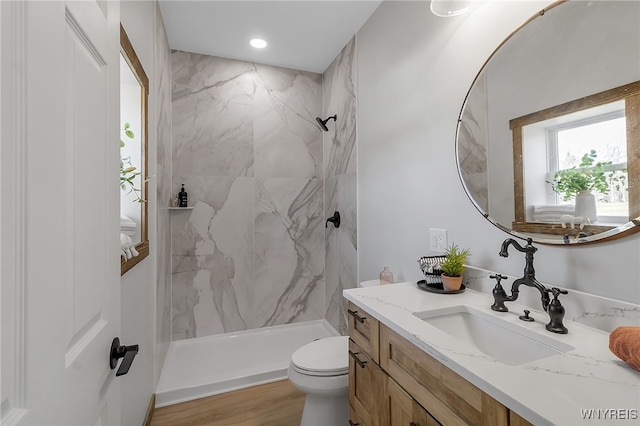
[134, 94]
[572, 66]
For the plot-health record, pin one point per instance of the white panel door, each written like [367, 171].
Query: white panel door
[68, 266]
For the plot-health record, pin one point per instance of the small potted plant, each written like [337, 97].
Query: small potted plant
[579, 183]
[587, 176]
[452, 267]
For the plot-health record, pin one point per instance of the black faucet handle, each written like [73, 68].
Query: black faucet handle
[556, 313]
[498, 277]
[499, 295]
[557, 291]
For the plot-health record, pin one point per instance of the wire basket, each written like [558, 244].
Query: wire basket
[430, 266]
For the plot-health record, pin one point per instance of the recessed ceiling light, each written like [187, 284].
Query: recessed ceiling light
[258, 43]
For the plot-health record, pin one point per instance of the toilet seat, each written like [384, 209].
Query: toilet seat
[323, 358]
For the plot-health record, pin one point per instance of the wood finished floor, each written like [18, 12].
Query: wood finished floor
[272, 404]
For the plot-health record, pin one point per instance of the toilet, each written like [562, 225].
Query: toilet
[320, 369]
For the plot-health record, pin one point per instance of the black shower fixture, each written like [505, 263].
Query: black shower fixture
[323, 123]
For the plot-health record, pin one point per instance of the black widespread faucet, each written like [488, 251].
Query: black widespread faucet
[556, 312]
[529, 277]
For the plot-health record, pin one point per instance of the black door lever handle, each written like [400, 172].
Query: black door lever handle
[120, 351]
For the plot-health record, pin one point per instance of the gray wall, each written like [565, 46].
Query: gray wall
[414, 70]
[163, 177]
[144, 288]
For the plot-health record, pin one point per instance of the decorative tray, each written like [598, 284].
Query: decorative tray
[437, 288]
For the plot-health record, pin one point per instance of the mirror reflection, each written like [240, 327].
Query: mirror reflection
[134, 91]
[548, 135]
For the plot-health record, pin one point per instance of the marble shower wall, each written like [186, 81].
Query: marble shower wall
[162, 69]
[340, 144]
[472, 145]
[247, 148]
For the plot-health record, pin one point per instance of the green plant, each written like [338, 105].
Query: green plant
[128, 171]
[587, 176]
[454, 260]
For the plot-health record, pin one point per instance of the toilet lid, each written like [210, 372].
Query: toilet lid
[328, 356]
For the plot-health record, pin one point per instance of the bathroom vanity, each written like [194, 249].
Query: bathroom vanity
[412, 364]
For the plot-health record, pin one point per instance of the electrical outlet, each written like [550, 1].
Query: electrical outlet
[437, 240]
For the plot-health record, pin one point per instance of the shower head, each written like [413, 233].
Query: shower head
[323, 123]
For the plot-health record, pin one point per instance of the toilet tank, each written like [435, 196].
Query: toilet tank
[369, 283]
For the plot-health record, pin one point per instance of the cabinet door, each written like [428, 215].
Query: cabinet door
[402, 410]
[364, 330]
[366, 385]
[516, 420]
[354, 418]
[447, 396]
[421, 417]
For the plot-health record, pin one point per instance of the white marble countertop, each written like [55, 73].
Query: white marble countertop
[560, 389]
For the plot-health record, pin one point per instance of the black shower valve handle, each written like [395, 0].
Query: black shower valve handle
[335, 219]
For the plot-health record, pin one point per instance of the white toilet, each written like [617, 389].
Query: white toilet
[321, 370]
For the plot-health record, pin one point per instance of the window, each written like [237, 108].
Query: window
[549, 142]
[605, 136]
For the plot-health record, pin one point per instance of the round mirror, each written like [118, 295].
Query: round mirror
[548, 138]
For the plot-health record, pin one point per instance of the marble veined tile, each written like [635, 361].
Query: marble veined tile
[194, 73]
[213, 252]
[472, 145]
[340, 247]
[339, 97]
[289, 262]
[212, 115]
[288, 142]
[183, 298]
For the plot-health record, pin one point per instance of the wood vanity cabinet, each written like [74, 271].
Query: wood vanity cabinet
[516, 420]
[394, 383]
[364, 331]
[448, 397]
[366, 387]
[401, 409]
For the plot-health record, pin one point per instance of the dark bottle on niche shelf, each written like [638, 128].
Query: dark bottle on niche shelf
[182, 197]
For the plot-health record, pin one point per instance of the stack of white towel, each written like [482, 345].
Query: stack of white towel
[552, 213]
[127, 226]
[127, 230]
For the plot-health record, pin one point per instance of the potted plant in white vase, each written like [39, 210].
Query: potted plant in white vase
[128, 172]
[579, 183]
[453, 267]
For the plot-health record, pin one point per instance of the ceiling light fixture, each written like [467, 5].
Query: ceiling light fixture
[258, 43]
[447, 8]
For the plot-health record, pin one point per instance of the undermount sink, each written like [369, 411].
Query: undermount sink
[501, 340]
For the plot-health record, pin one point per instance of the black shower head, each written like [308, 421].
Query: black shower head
[323, 123]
